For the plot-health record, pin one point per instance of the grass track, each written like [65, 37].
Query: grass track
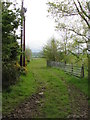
[56, 103]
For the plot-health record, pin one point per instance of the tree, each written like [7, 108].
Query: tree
[66, 10]
[62, 8]
[28, 54]
[10, 47]
[51, 50]
[10, 23]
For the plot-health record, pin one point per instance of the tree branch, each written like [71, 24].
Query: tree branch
[77, 33]
[84, 12]
[82, 16]
[69, 29]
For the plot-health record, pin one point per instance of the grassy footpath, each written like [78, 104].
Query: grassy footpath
[56, 102]
[81, 83]
[24, 88]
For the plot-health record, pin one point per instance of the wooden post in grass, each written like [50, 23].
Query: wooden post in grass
[82, 71]
[72, 68]
[21, 56]
[24, 11]
[24, 45]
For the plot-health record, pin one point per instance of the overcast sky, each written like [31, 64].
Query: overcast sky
[39, 27]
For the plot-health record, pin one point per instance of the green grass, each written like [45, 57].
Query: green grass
[56, 102]
[24, 88]
[81, 83]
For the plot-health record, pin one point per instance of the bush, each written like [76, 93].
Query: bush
[28, 60]
[17, 66]
[10, 74]
[28, 54]
[23, 70]
[25, 63]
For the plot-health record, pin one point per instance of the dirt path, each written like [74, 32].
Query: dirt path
[29, 108]
[78, 103]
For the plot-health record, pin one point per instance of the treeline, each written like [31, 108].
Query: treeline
[61, 52]
[11, 51]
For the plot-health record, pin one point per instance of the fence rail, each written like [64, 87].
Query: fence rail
[68, 68]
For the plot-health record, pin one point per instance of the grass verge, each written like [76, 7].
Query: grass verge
[24, 88]
[81, 83]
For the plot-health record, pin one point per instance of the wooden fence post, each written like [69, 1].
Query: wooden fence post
[72, 68]
[82, 71]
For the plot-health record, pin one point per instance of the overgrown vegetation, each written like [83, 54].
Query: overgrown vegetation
[11, 69]
[10, 47]
[17, 93]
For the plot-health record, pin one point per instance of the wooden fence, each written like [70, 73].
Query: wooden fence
[68, 68]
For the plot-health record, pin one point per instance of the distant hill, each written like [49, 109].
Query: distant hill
[37, 54]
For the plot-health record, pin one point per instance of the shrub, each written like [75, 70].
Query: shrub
[23, 70]
[25, 63]
[17, 66]
[28, 59]
[10, 74]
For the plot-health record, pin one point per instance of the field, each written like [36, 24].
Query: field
[53, 93]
